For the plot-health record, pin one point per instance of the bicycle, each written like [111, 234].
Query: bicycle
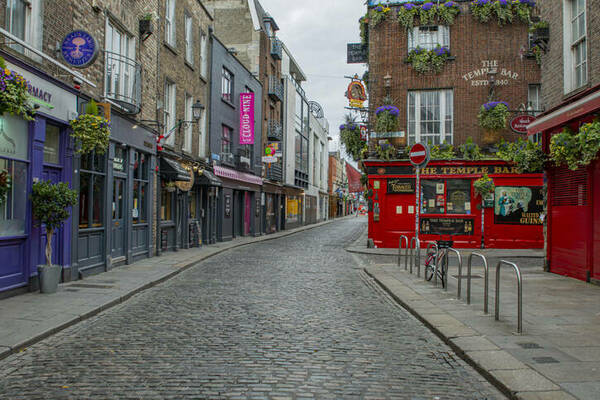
[431, 261]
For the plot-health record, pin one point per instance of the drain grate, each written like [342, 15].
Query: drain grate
[529, 345]
[467, 276]
[91, 286]
[545, 360]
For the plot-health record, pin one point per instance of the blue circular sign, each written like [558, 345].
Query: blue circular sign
[79, 49]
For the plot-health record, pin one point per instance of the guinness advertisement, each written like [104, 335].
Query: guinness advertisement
[518, 205]
[401, 186]
[442, 170]
[447, 226]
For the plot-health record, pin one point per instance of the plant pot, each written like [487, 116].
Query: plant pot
[541, 34]
[49, 277]
[490, 137]
[146, 28]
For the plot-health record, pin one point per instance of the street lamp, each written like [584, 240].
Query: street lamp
[197, 109]
[491, 82]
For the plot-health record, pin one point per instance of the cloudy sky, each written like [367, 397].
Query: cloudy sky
[316, 32]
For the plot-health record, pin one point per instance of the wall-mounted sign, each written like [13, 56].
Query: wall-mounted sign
[356, 94]
[520, 123]
[518, 205]
[79, 49]
[246, 118]
[480, 76]
[227, 205]
[269, 159]
[447, 226]
[400, 186]
[475, 170]
[356, 54]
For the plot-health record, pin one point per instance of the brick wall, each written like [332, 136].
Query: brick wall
[471, 43]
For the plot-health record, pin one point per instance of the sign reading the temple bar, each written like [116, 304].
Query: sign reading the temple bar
[447, 226]
[520, 123]
[400, 186]
[246, 118]
[518, 205]
[357, 53]
[481, 76]
[79, 49]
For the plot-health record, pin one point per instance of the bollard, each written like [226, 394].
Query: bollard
[485, 283]
[400, 241]
[519, 293]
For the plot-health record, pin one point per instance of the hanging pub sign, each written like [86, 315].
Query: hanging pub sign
[518, 205]
[400, 186]
[356, 54]
[356, 93]
[79, 49]
[363, 132]
[447, 226]
[246, 118]
[520, 123]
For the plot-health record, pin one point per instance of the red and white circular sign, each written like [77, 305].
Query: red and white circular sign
[419, 154]
[520, 123]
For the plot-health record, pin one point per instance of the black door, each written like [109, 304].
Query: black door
[118, 218]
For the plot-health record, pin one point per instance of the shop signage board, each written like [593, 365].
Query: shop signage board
[519, 205]
[520, 123]
[79, 49]
[447, 226]
[401, 186]
[227, 205]
[356, 54]
[246, 118]
[356, 93]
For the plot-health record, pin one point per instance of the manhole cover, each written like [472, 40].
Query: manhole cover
[545, 360]
[91, 286]
[530, 345]
[467, 276]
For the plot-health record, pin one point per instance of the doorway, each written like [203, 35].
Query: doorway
[118, 225]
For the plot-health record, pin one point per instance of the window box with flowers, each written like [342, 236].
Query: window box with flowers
[492, 118]
[13, 93]
[379, 14]
[90, 131]
[410, 14]
[504, 11]
[428, 61]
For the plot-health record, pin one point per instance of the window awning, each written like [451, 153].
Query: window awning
[566, 113]
[207, 178]
[172, 170]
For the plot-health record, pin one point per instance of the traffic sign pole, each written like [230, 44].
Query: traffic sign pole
[419, 157]
[417, 203]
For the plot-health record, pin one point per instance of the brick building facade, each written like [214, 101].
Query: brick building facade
[462, 86]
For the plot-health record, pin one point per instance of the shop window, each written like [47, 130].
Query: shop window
[140, 188]
[13, 208]
[120, 159]
[452, 196]
[91, 191]
[52, 145]
[430, 116]
[166, 205]
[428, 37]
[14, 138]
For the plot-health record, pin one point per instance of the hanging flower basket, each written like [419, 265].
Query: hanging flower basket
[386, 126]
[505, 11]
[14, 95]
[492, 118]
[425, 61]
[91, 133]
[5, 186]
[378, 14]
[351, 139]
[576, 150]
[484, 186]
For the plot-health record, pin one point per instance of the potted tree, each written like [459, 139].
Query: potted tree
[50, 203]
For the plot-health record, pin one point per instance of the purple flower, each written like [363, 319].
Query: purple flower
[503, 2]
[379, 9]
[408, 6]
[450, 4]
[492, 104]
[442, 51]
[342, 127]
[392, 110]
[480, 2]
[427, 6]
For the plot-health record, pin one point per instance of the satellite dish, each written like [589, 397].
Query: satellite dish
[316, 109]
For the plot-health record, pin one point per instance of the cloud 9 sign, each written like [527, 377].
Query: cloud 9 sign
[246, 118]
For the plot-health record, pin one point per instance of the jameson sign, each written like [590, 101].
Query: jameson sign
[400, 186]
[518, 205]
[446, 226]
[478, 169]
[246, 118]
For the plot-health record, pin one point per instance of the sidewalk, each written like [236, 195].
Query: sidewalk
[556, 357]
[31, 317]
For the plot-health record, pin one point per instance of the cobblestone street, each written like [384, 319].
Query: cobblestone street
[292, 318]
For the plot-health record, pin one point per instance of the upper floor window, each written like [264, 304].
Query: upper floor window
[428, 37]
[576, 74]
[120, 64]
[170, 23]
[23, 18]
[203, 54]
[189, 40]
[430, 116]
[226, 139]
[187, 139]
[227, 85]
[534, 102]
[169, 112]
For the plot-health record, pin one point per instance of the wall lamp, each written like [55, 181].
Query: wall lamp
[197, 109]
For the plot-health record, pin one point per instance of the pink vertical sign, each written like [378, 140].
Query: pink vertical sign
[246, 118]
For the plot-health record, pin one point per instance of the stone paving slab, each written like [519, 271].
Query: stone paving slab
[28, 318]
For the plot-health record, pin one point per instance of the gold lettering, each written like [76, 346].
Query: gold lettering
[445, 170]
[497, 170]
[452, 171]
[461, 170]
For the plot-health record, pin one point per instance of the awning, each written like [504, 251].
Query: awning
[207, 178]
[237, 175]
[172, 170]
[566, 113]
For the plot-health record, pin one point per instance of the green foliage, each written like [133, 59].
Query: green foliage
[442, 151]
[484, 185]
[352, 142]
[427, 17]
[425, 61]
[377, 16]
[364, 29]
[90, 132]
[447, 15]
[92, 108]
[537, 52]
[386, 122]
[504, 13]
[386, 151]
[5, 185]
[2, 63]
[523, 12]
[539, 25]
[49, 205]
[493, 117]
[527, 156]
[406, 17]
[576, 150]
[470, 150]
[14, 95]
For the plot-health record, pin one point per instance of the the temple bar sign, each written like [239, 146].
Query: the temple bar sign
[478, 170]
[357, 53]
[480, 76]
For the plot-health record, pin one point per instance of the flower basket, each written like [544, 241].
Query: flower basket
[352, 140]
[378, 14]
[425, 61]
[492, 118]
[484, 186]
[576, 150]
[91, 133]
[13, 93]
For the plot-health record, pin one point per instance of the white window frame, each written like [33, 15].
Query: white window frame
[415, 130]
[575, 43]
[187, 134]
[32, 25]
[170, 26]
[169, 112]
[202, 133]
[226, 85]
[534, 100]
[420, 36]
[189, 39]
[119, 71]
[203, 54]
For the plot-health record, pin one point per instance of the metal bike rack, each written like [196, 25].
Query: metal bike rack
[442, 254]
[400, 241]
[415, 255]
[486, 280]
[519, 293]
[459, 257]
[430, 246]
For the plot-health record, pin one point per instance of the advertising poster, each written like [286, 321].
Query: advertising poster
[518, 205]
[292, 210]
[246, 118]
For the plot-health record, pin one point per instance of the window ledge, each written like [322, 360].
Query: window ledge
[450, 58]
[574, 92]
[229, 103]
[203, 78]
[171, 47]
[189, 65]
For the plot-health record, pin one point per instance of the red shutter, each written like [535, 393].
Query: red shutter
[569, 188]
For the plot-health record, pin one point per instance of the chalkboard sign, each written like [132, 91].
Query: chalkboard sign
[447, 226]
[400, 186]
[357, 53]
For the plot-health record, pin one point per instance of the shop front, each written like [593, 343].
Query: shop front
[294, 207]
[511, 217]
[239, 204]
[323, 206]
[573, 239]
[272, 202]
[114, 223]
[206, 189]
[32, 151]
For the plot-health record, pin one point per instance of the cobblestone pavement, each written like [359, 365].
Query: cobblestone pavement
[292, 318]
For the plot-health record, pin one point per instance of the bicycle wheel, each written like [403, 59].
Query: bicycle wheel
[443, 270]
[429, 267]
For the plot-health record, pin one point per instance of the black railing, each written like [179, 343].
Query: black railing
[275, 89]
[276, 48]
[123, 81]
[275, 131]
[275, 172]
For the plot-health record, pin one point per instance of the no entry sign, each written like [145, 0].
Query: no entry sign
[419, 155]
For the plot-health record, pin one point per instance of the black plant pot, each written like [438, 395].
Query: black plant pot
[146, 28]
[541, 34]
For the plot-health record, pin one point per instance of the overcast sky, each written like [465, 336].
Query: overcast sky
[316, 33]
